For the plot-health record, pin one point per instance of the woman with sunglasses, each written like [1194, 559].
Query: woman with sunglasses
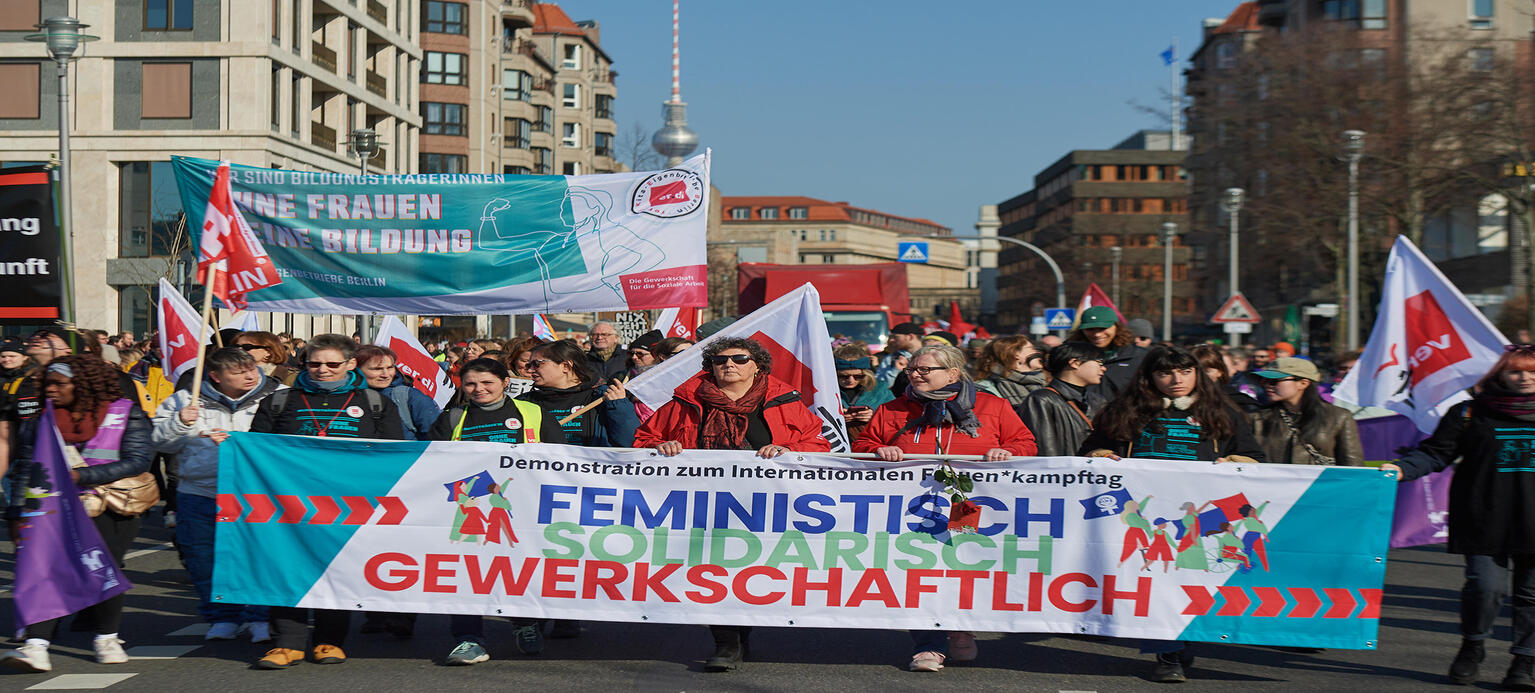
[270, 355]
[733, 405]
[1060, 415]
[942, 412]
[861, 393]
[671, 346]
[1492, 509]
[563, 381]
[1297, 427]
[1010, 368]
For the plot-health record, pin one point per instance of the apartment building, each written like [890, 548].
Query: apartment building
[276, 83]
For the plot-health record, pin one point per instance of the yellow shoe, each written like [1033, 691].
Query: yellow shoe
[280, 658]
[327, 654]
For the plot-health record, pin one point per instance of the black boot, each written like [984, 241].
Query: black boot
[728, 651]
[1170, 668]
[1521, 674]
[1467, 661]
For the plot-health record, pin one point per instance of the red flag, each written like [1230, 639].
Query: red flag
[1095, 296]
[180, 332]
[678, 322]
[426, 375]
[957, 324]
[240, 264]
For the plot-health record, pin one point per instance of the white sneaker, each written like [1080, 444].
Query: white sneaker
[27, 658]
[110, 651]
[169, 519]
[260, 631]
[222, 631]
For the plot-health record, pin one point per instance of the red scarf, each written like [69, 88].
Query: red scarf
[724, 425]
[77, 432]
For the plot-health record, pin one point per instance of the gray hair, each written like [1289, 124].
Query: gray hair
[609, 323]
[947, 356]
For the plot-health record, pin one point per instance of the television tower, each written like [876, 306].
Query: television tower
[675, 141]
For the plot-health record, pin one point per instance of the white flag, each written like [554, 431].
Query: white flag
[244, 322]
[426, 374]
[180, 332]
[792, 329]
[674, 322]
[1429, 343]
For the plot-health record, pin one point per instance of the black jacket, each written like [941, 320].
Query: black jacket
[1172, 437]
[352, 411]
[616, 365]
[19, 398]
[609, 425]
[1492, 497]
[504, 424]
[134, 454]
[1059, 416]
[1119, 370]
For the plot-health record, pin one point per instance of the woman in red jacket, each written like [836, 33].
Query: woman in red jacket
[941, 412]
[733, 405]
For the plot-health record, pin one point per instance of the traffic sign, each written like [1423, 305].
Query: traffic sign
[1037, 326]
[1060, 318]
[912, 251]
[1237, 327]
[1236, 309]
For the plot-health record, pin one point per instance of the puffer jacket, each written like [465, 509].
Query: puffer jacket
[791, 423]
[1000, 428]
[1060, 417]
[134, 454]
[1013, 386]
[197, 457]
[1333, 434]
[417, 411]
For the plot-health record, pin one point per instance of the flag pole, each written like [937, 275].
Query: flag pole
[202, 339]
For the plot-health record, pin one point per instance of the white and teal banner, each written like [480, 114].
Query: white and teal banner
[469, 243]
[1242, 553]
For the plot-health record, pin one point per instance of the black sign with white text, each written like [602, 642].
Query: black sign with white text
[29, 246]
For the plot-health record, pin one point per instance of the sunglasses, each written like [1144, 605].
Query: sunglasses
[924, 370]
[251, 347]
[328, 364]
[1276, 381]
[1520, 348]
[739, 359]
[849, 376]
[674, 353]
[535, 363]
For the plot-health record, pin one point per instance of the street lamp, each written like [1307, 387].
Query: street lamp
[364, 143]
[62, 36]
[1115, 254]
[1232, 204]
[1169, 231]
[1353, 147]
[1060, 279]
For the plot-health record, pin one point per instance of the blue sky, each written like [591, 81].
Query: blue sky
[925, 109]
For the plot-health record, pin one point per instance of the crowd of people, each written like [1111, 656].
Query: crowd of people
[1106, 390]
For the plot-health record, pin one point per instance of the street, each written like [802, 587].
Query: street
[164, 636]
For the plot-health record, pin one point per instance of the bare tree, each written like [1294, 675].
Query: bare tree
[634, 149]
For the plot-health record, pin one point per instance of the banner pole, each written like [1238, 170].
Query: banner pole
[202, 338]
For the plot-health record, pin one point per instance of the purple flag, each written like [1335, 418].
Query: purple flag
[62, 564]
[1422, 505]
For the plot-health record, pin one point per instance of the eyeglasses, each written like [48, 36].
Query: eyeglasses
[923, 371]
[1520, 348]
[250, 347]
[604, 334]
[721, 359]
[674, 353]
[1277, 381]
[535, 363]
[328, 364]
[849, 376]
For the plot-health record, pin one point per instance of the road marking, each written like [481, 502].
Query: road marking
[160, 651]
[194, 629]
[77, 682]
[144, 552]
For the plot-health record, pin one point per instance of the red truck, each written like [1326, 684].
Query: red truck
[860, 301]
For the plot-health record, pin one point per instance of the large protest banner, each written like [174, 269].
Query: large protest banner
[1249, 553]
[29, 247]
[469, 243]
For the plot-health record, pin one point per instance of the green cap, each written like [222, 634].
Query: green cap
[1098, 317]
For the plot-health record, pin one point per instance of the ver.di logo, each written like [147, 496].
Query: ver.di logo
[477, 524]
[668, 194]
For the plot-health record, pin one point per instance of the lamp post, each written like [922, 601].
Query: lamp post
[364, 143]
[1232, 204]
[1055, 269]
[62, 36]
[1116, 253]
[1169, 231]
[1353, 147]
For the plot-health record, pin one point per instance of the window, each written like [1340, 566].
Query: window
[516, 170]
[518, 133]
[751, 253]
[1340, 9]
[602, 106]
[1226, 55]
[602, 144]
[444, 163]
[740, 213]
[296, 106]
[443, 118]
[799, 213]
[572, 96]
[1481, 59]
[769, 213]
[20, 15]
[151, 205]
[545, 120]
[516, 85]
[445, 68]
[168, 15]
[277, 22]
[1373, 15]
[571, 168]
[444, 17]
[572, 60]
[571, 135]
[1481, 14]
[828, 259]
[351, 50]
[545, 159]
[277, 85]
[296, 44]
[22, 82]
[166, 91]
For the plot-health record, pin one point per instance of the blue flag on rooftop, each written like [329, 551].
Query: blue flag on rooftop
[1169, 55]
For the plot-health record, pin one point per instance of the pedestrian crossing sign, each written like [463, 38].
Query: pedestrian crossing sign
[1059, 318]
[912, 251]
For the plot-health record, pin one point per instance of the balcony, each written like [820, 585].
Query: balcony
[324, 57]
[377, 84]
[517, 13]
[605, 77]
[322, 136]
[378, 12]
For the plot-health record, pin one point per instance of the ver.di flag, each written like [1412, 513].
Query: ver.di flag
[1429, 343]
[62, 564]
[424, 372]
[470, 244]
[1095, 296]
[180, 332]
[678, 322]
[792, 329]
[231, 261]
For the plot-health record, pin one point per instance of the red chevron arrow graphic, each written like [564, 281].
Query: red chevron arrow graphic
[1342, 603]
[1371, 604]
[229, 508]
[1306, 602]
[1200, 600]
[1236, 601]
[394, 510]
[293, 509]
[1270, 601]
[261, 507]
[325, 510]
[360, 509]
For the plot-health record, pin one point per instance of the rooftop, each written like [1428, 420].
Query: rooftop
[820, 210]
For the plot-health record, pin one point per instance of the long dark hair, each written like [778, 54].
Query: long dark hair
[1311, 408]
[1122, 338]
[1138, 405]
[566, 352]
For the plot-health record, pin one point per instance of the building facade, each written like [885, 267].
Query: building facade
[278, 83]
[1085, 208]
[808, 231]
